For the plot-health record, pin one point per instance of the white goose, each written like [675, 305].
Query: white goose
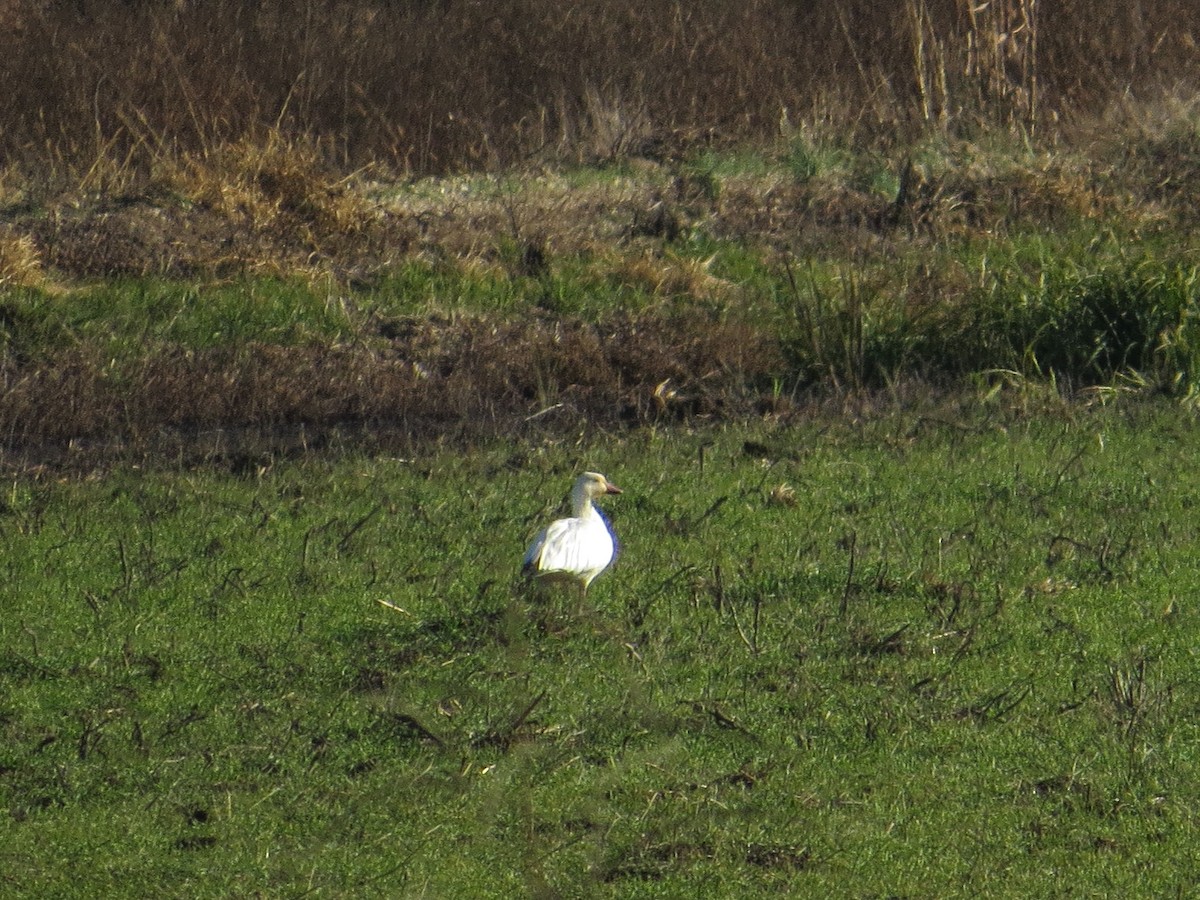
[581, 547]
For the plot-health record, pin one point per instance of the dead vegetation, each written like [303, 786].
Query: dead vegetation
[278, 211]
[435, 380]
[20, 262]
[101, 93]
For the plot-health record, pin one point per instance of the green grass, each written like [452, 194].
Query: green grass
[133, 317]
[956, 658]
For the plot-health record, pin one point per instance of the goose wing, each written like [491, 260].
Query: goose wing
[578, 547]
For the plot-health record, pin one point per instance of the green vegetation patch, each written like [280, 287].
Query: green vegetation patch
[135, 318]
[906, 656]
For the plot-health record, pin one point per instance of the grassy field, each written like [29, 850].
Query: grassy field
[912, 657]
[886, 323]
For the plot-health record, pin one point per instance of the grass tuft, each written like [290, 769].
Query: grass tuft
[20, 263]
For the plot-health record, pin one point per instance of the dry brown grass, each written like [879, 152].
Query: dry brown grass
[669, 274]
[97, 94]
[270, 183]
[20, 263]
[185, 138]
[278, 208]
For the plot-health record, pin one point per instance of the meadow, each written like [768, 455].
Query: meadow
[915, 657]
[886, 323]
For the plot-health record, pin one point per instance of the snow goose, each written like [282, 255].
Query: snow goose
[581, 547]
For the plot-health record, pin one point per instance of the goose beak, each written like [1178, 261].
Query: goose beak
[611, 488]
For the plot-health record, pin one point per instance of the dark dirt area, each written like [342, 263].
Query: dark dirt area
[445, 381]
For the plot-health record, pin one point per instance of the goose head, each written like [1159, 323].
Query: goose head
[588, 487]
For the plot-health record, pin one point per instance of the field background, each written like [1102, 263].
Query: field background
[888, 326]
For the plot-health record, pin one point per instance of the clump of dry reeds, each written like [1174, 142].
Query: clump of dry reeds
[20, 262]
[270, 183]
